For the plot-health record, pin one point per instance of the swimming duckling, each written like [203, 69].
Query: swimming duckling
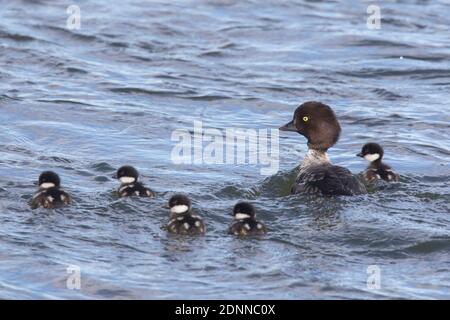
[128, 176]
[317, 175]
[376, 170]
[181, 220]
[50, 195]
[245, 221]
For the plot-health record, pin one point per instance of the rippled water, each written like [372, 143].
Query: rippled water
[83, 102]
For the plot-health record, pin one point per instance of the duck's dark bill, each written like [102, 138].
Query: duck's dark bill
[288, 127]
[360, 155]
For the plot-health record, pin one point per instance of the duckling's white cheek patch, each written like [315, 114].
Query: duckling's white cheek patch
[47, 185]
[372, 157]
[241, 216]
[127, 179]
[179, 209]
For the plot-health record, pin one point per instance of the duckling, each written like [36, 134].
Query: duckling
[49, 194]
[128, 177]
[181, 220]
[245, 222]
[377, 170]
[317, 175]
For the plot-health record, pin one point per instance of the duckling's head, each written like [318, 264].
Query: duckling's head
[48, 179]
[127, 174]
[243, 210]
[371, 152]
[179, 204]
[317, 122]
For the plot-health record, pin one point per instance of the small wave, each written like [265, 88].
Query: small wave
[412, 73]
[17, 149]
[153, 47]
[381, 43]
[386, 94]
[209, 97]
[134, 90]
[233, 192]
[119, 44]
[62, 101]
[403, 24]
[430, 246]
[7, 97]
[16, 37]
[102, 179]
[431, 58]
[55, 159]
[71, 34]
[370, 122]
[280, 184]
[76, 70]
[212, 53]
[140, 58]
[166, 30]
[228, 45]
[102, 167]
[239, 28]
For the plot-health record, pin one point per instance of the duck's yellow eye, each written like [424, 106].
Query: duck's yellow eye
[305, 119]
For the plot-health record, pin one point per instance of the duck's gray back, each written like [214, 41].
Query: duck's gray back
[327, 180]
[318, 176]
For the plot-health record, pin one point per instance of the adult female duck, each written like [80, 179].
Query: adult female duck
[318, 123]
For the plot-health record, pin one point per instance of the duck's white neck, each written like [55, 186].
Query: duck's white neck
[315, 157]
